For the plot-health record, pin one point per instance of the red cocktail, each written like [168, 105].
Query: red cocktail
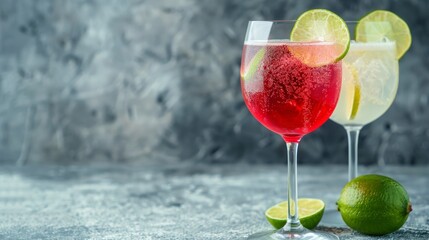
[286, 95]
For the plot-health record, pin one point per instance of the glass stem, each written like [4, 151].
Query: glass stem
[353, 138]
[293, 223]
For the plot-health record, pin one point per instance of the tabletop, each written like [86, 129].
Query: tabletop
[177, 201]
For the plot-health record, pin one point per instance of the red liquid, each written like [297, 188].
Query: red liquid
[285, 95]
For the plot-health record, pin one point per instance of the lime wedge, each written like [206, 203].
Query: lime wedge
[320, 25]
[310, 212]
[380, 25]
[253, 65]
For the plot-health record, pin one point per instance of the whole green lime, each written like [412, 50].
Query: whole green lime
[374, 204]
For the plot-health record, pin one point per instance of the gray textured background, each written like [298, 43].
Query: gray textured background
[158, 80]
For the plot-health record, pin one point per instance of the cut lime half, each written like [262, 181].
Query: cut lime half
[310, 212]
[320, 25]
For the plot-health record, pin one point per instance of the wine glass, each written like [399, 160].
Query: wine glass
[288, 97]
[370, 82]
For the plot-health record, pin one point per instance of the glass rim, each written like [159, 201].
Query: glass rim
[272, 21]
[293, 21]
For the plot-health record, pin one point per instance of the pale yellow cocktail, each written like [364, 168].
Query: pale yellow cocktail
[370, 82]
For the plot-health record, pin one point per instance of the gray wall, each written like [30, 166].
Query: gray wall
[158, 80]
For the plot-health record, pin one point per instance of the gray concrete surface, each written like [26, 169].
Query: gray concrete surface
[176, 202]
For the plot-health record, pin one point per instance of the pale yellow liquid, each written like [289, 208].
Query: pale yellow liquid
[373, 68]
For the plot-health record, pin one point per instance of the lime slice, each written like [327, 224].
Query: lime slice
[350, 90]
[380, 25]
[320, 25]
[310, 212]
[253, 65]
[356, 101]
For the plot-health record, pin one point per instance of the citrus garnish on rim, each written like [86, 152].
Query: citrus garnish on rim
[320, 25]
[381, 25]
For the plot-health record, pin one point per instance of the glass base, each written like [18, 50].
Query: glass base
[303, 234]
[332, 218]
